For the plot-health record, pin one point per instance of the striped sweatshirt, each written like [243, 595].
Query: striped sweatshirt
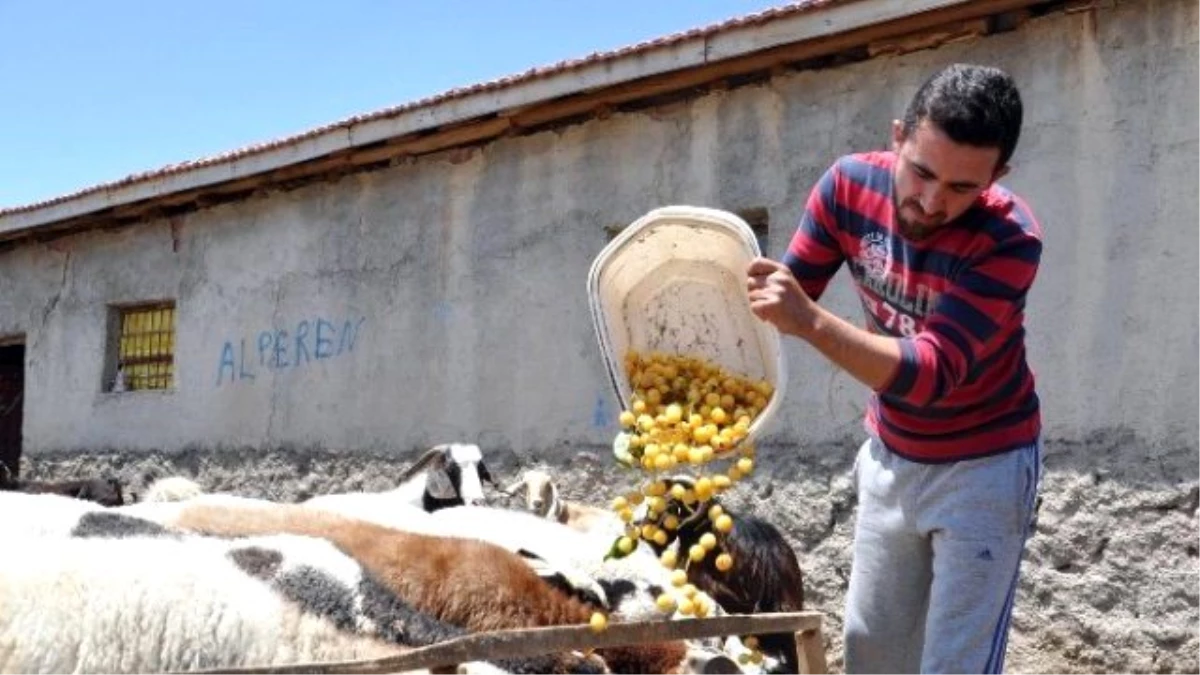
[955, 301]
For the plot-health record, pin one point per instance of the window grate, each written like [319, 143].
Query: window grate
[759, 221]
[146, 347]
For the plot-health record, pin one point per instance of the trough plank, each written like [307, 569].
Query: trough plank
[525, 642]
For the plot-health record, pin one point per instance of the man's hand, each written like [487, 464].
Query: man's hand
[777, 298]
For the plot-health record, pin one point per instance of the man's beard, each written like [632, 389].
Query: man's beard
[912, 230]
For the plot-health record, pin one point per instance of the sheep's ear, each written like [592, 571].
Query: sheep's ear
[512, 489]
[484, 474]
[438, 485]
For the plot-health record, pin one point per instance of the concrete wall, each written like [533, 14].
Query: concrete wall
[452, 295]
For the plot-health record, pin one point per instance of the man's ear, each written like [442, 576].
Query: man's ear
[897, 134]
[1000, 173]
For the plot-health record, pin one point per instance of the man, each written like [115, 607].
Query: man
[942, 259]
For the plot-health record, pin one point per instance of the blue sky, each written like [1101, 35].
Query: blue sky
[94, 91]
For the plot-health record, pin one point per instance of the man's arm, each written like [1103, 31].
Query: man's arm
[814, 254]
[776, 297]
[969, 320]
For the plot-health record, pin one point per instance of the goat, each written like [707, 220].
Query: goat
[468, 583]
[766, 575]
[541, 498]
[104, 491]
[450, 474]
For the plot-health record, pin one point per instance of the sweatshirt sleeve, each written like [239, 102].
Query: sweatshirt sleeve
[814, 254]
[983, 309]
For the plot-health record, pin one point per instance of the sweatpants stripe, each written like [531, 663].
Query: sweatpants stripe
[995, 662]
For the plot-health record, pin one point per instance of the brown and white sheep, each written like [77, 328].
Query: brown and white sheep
[467, 583]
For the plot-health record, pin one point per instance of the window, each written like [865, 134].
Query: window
[759, 222]
[757, 218]
[144, 347]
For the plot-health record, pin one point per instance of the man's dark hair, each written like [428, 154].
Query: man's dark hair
[973, 105]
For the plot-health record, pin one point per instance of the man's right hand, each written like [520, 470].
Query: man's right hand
[777, 298]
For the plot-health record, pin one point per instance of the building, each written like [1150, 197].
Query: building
[309, 312]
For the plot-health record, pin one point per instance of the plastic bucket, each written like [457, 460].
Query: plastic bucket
[674, 281]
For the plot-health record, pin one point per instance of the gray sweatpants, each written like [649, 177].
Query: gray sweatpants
[937, 548]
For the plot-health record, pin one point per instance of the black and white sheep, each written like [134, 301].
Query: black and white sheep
[104, 491]
[126, 595]
[463, 582]
[766, 575]
[447, 475]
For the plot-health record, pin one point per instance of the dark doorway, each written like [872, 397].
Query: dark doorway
[12, 403]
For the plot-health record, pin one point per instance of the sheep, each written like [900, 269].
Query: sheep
[468, 583]
[153, 605]
[446, 475]
[630, 585]
[574, 555]
[56, 515]
[631, 601]
[172, 489]
[766, 575]
[104, 491]
[142, 598]
[40, 515]
[541, 498]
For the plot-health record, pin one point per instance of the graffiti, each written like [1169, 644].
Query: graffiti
[601, 417]
[283, 349]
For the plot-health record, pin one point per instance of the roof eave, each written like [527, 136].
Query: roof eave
[682, 55]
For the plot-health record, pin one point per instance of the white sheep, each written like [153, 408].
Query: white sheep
[157, 604]
[542, 499]
[40, 515]
[172, 489]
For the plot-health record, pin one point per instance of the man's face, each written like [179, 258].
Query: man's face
[937, 179]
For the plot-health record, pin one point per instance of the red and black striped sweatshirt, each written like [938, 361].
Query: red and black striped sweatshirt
[956, 302]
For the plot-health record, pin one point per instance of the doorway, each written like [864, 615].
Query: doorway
[12, 403]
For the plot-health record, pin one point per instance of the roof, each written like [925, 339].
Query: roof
[798, 22]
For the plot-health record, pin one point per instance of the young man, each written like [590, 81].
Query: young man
[942, 259]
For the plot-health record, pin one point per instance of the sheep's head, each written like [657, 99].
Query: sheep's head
[540, 492]
[455, 474]
[103, 491]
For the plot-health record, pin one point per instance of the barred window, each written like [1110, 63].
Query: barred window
[145, 347]
[757, 218]
[760, 223]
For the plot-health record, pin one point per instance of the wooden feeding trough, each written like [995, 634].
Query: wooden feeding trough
[527, 642]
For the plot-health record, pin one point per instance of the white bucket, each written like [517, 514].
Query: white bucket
[674, 281]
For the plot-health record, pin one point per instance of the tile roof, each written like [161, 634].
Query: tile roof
[429, 102]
